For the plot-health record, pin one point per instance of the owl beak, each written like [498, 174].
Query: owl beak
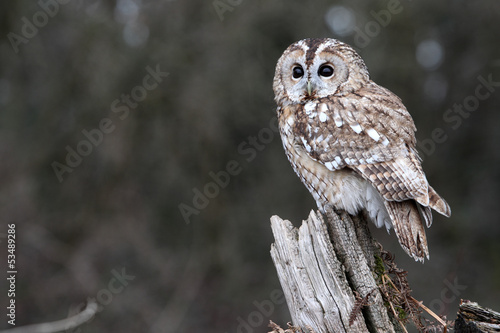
[309, 87]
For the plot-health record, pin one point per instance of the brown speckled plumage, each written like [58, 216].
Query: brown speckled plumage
[351, 141]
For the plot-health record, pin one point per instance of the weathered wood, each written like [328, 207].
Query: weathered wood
[321, 267]
[473, 318]
[312, 278]
[355, 248]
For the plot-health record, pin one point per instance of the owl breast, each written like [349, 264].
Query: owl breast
[343, 188]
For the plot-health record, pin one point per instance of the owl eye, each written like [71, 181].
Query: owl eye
[297, 72]
[325, 70]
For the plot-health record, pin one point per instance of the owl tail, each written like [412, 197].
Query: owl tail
[408, 223]
[434, 201]
[437, 203]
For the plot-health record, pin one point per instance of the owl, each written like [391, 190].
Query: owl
[352, 142]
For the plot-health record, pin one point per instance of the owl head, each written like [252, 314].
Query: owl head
[316, 68]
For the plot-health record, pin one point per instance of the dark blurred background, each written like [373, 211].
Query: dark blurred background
[116, 115]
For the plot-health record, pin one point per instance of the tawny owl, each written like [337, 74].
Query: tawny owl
[352, 142]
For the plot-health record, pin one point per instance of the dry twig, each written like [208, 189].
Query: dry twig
[397, 293]
[60, 325]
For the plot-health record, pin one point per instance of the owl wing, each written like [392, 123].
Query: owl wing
[369, 132]
[372, 133]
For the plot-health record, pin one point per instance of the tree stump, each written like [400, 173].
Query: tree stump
[325, 270]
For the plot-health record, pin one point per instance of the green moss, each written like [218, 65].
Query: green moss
[379, 268]
[402, 314]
